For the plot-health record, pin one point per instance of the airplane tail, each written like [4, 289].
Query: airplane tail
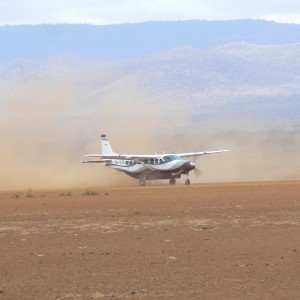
[106, 147]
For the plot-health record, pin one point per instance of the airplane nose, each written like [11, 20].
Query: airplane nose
[192, 165]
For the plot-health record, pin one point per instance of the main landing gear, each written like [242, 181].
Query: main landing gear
[142, 182]
[172, 181]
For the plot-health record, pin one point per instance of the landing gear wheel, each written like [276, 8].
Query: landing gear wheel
[172, 181]
[142, 182]
[187, 181]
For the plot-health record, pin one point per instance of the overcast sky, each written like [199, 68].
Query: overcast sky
[129, 11]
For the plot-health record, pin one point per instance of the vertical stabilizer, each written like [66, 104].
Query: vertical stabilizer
[106, 147]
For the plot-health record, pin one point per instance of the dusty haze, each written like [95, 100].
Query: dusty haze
[52, 120]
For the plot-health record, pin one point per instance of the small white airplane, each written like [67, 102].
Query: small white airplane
[148, 167]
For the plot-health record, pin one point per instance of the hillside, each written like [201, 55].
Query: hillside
[260, 81]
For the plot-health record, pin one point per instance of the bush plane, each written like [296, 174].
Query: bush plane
[148, 167]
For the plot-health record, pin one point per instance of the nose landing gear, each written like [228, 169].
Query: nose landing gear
[187, 180]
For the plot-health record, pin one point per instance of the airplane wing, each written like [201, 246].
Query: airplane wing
[138, 157]
[200, 153]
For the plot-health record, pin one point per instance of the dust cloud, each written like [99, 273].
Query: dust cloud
[49, 122]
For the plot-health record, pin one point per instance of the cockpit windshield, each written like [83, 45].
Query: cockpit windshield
[169, 158]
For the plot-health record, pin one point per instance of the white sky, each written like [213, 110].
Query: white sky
[130, 11]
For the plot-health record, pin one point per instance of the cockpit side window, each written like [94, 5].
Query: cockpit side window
[169, 158]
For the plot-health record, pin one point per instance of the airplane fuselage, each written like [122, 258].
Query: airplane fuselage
[161, 167]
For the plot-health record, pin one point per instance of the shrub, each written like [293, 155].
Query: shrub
[66, 194]
[90, 192]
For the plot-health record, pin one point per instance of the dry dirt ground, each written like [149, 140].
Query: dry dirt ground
[211, 241]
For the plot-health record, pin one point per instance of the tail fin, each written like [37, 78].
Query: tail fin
[106, 147]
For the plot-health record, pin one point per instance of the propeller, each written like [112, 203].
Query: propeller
[196, 170]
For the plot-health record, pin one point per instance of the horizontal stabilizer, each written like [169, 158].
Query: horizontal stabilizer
[124, 156]
[95, 161]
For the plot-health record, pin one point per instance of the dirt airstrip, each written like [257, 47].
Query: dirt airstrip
[207, 241]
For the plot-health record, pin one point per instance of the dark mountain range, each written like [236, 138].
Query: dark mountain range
[128, 41]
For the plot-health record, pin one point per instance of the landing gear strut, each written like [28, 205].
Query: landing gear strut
[187, 181]
[142, 182]
[172, 181]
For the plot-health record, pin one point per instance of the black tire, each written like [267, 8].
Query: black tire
[172, 181]
[187, 181]
[142, 182]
